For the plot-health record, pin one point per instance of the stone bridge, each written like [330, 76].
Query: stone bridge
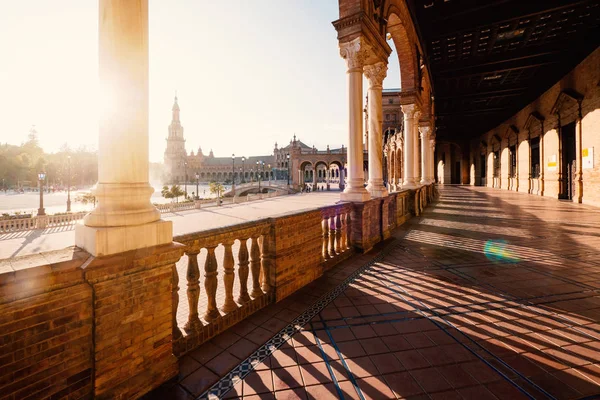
[252, 187]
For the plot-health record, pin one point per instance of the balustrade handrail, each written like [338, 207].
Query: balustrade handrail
[216, 236]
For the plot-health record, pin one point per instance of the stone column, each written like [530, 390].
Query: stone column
[578, 196]
[124, 219]
[432, 158]
[355, 53]
[410, 113]
[425, 150]
[375, 74]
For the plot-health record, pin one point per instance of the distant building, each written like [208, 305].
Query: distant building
[209, 168]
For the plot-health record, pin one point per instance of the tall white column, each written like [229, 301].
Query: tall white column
[425, 151]
[375, 75]
[410, 114]
[355, 53]
[124, 219]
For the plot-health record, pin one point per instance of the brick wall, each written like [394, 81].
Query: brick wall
[45, 327]
[584, 80]
[133, 320]
[297, 247]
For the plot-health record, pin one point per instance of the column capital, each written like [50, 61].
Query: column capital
[375, 74]
[355, 53]
[425, 131]
[410, 111]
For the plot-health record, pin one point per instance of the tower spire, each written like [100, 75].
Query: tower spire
[175, 109]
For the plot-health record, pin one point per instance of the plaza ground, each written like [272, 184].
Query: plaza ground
[36, 241]
[488, 295]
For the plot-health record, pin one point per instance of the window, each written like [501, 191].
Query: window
[387, 117]
[513, 161]
[391, 101]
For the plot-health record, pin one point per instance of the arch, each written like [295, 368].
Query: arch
[399, 19]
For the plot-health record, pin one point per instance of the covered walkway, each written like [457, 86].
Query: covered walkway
[488, 294]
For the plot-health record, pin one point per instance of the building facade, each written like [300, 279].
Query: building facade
[181, 166]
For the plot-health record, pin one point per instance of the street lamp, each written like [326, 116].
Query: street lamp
[233, 171]
[269, 174]
[197, 179]
[41, 177]
[185, 177]
[243, 175]
[288, 168]
[69, 185]
[258, 173]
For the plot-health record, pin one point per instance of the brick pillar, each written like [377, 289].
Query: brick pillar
[133, 323]
[365, 228]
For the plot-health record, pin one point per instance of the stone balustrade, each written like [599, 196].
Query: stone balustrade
[228, 294]
[336, 223]
[39, 222]
[115, 324]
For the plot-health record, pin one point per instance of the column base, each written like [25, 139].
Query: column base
[355, 195]
[377, 190]
[103, 241]
[410, 184]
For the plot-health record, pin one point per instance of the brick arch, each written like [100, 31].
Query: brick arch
[402, 31]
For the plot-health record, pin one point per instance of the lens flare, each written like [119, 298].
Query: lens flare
[497, 251]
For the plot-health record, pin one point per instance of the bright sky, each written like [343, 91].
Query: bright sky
[247, 73]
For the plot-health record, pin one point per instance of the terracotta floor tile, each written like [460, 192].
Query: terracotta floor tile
[315, 373]
[351, 349]
[430, 380]
[291, 394]
[476, 393]
[242, 348]
[375, 388]
[403, 384]
[198, 381]
[387, 363]
[361, 367]
[287, 378]
[373, 346]
[457, 376]
[322, 392]
[412, 359]
[258, 382]
[308, 354]
[222, 363]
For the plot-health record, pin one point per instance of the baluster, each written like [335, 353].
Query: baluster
[325, 227]
[175, 300]
[332, 237]
[243, 271]
[210, 285]
[193, 291]
[338, 234]
[255, 267]
[266, 262]
[228, 278]
[344, 237]
[348, 230]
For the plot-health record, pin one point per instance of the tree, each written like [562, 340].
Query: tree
[218, 189]
[86, 198]
[173, 193]
[166, 192]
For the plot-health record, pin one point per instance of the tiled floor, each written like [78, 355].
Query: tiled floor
[488, 295]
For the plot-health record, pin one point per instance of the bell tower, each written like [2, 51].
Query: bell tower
[175, 153]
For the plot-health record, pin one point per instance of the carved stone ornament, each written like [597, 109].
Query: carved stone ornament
[424, 131]
[376, 73]
[410, 111]
[355, 52]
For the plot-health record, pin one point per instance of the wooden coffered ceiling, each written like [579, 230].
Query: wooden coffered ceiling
[490, 58]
